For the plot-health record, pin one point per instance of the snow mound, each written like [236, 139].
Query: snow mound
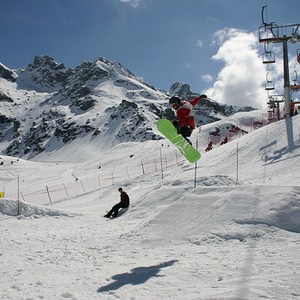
[217, 180]
[22, 209]
[285, 215]
[211, 181]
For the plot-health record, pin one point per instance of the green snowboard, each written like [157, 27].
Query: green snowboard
[170, 132]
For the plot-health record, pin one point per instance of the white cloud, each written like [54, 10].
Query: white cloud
[241, 80]
[207, 78]
[199, 44]
[134, 3]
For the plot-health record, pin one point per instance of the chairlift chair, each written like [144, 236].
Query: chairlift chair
[268, 57]
[269, 85]
[267, 31]
[295, 87]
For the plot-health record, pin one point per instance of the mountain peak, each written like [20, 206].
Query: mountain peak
[45, 61]
[7, 74]
[44, 74]
[182, 90]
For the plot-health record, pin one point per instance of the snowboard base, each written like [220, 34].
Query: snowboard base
[170, 132]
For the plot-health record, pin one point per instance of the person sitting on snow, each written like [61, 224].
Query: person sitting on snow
[124, 203]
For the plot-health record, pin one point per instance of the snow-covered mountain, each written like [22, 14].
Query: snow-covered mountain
[45, 107]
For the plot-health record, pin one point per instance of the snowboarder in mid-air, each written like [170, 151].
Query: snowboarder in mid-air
[185, 114]
[124, 203]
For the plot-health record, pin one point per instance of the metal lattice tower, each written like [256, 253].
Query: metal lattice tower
[272, 33]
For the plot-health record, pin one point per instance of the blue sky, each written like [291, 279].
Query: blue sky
[205, 43]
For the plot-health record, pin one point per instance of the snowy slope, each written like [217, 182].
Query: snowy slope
[233, 236]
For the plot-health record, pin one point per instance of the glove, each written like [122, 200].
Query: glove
[203, 96]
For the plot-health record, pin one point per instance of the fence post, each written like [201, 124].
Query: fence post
[18, 195]
[99, 181]
[195, 180]
[161, 165]
[143, 168]
[155, 165]
[127, 173]
[165, 161]
[66, 191]
[112, 177]
[82, 186]
[237, 162]
[22, 196]
[48, 194]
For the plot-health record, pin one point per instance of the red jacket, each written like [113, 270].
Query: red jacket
[185, 113]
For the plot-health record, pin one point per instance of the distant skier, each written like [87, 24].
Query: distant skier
[124, 203]
[225, 140]
[185, 114]
[209, 146]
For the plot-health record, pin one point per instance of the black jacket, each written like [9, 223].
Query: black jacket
[124, 199]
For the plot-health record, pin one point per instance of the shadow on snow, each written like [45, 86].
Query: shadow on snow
[278, 154]
[135, 276]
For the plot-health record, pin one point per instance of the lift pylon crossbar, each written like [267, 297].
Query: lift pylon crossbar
[272, 33]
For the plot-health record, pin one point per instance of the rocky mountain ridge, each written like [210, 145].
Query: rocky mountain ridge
[46, 106]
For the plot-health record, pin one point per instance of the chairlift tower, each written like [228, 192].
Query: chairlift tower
[272, 33]
[274, 111]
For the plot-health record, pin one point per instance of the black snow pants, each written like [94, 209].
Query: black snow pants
[115, 209]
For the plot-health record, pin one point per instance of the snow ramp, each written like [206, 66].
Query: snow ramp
[222, 209]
